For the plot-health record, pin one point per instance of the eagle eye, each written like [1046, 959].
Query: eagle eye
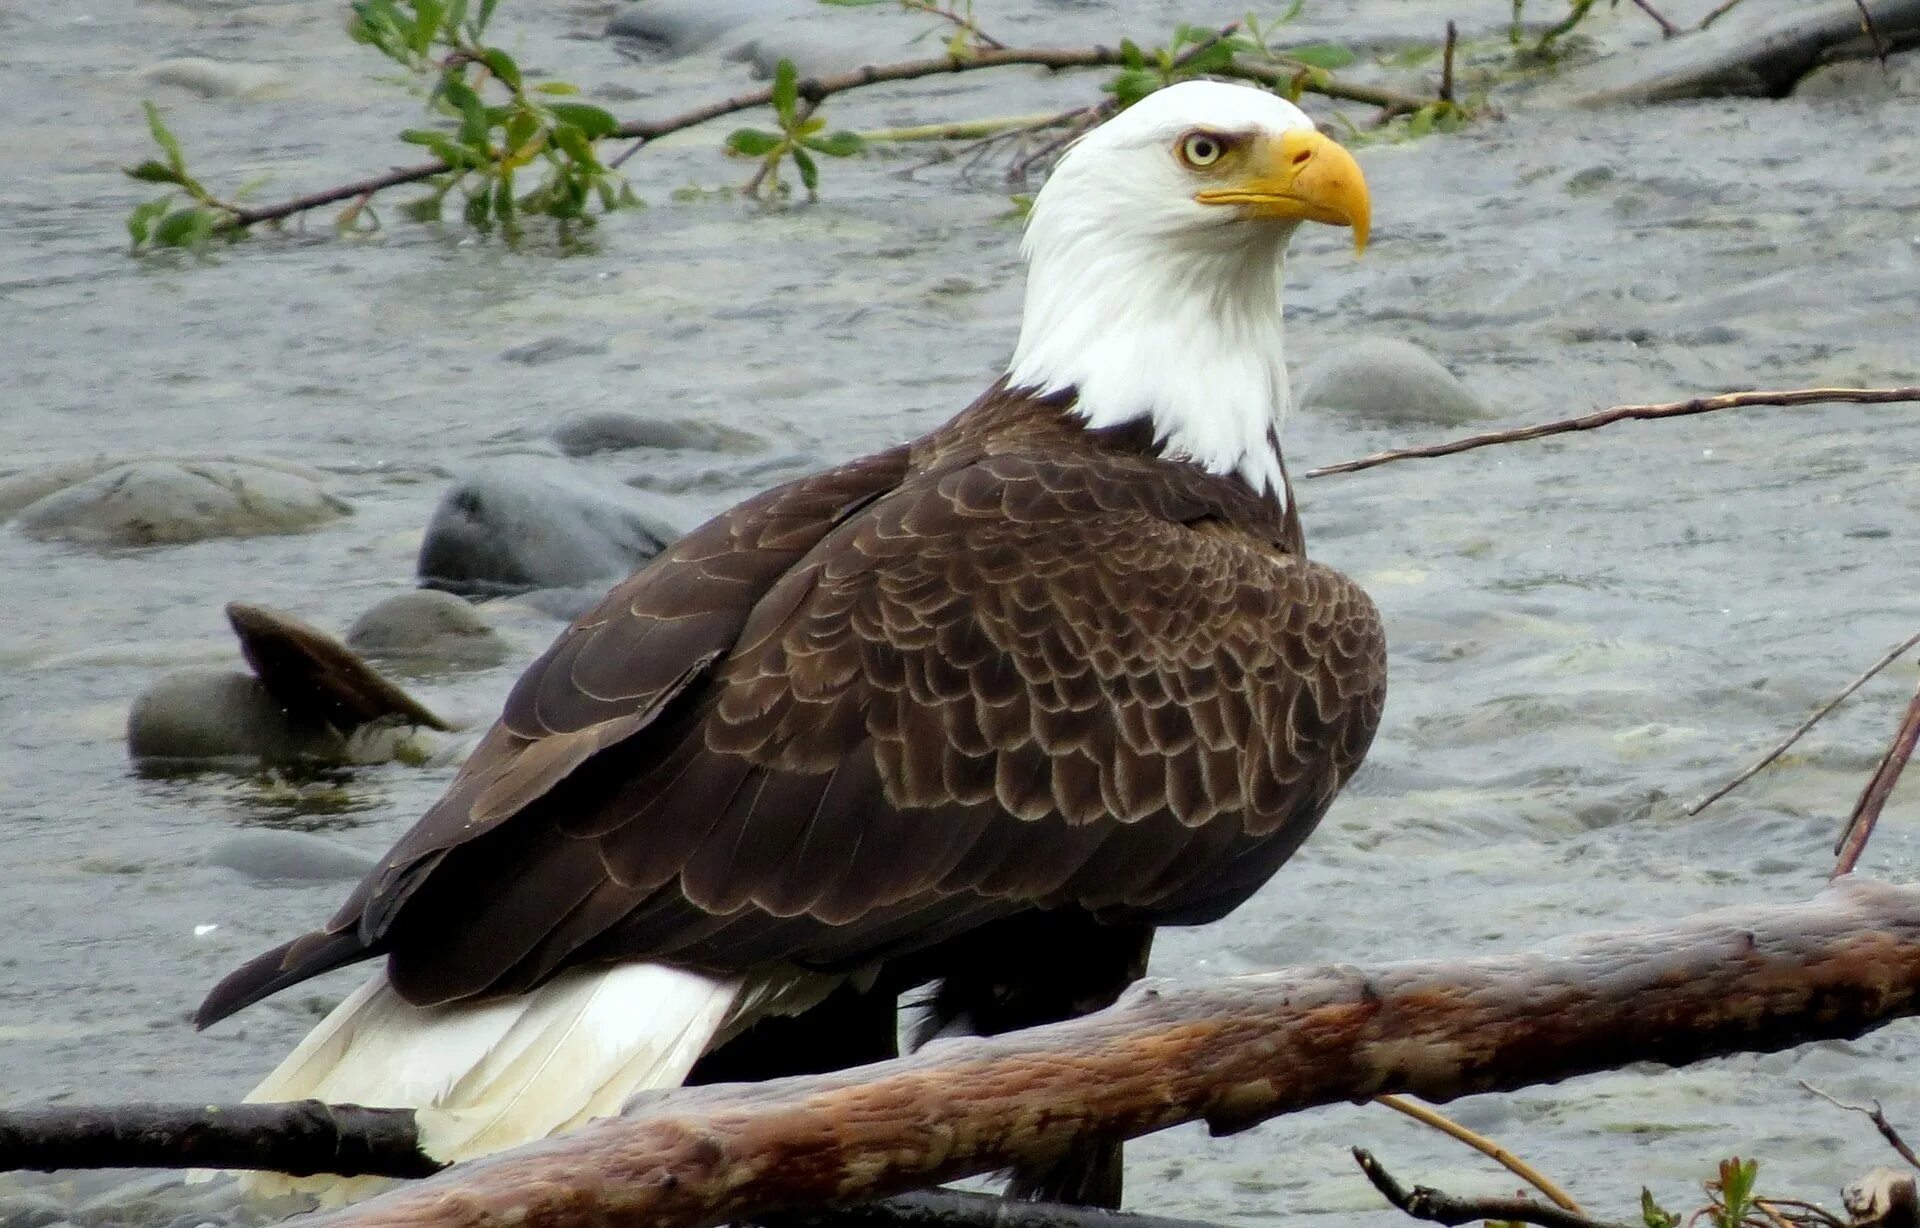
[1199, 150]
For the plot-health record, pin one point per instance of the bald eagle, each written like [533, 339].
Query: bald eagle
[977, 712]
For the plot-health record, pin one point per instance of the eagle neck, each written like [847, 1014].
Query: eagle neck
[1192, 345]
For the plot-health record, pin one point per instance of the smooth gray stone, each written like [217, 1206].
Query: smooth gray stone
[165, 502]
[674, 28]
[212, 78]
[1745, 53]
[215, 716]
[552, 349]
[424, 628]
[1388, 381]
[584, 434]
[523, 524]
[288, 855]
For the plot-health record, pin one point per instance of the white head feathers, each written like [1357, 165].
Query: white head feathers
[1150, 303]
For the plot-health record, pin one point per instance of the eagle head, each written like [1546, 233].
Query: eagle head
[1155, 267]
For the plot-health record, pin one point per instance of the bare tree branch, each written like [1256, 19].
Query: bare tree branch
[1626, 413]
[1800, 730]
[1485, 1146]
[1866, 812]
[1874, 1115]
[1232, 1053]
[1426, 1203]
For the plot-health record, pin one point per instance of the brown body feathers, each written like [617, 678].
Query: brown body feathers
[1016, 665]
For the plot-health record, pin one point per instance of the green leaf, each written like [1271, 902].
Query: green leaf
[444, 147]
[786, 91]
[751, 142]
[1320, 55]
[503, 67]
[180, 228]
[473, 116]
[1293, 11]
[426, 24]
[594, 122]
[1130, 85]
[1653, 1214]
[556, 87]
[152, 172]
[1421, 123]
[479, 208]
[503, 199]
[628, 199]
[575, 145]
[520, 130]
[837, 144]
[164, 138]
[485, 15]
[140, 221]
[809, 171]
[1130, 54]
[456, 16]
[812, 125]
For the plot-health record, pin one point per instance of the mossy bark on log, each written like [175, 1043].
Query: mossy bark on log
[1231, 1053]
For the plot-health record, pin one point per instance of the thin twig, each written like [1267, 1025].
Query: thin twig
[1809, 1211]
[816, 89]
[965, 23]
[1625, 413]
[1485, 1146]
[961, 129]
[1800, 730]
[1667, 28]
[1874, 1115]
[1446, 62]
[1720, 10]
[1866, 812]
[1880, 49]
[1425, 1203]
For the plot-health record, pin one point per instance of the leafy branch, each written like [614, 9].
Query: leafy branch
[495, 125]
[802, 134]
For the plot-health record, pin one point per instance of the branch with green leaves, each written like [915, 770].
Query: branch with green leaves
[508, 148]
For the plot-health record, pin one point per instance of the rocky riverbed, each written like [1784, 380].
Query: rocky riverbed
[1588, 632]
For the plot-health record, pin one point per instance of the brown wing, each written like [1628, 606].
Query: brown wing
[1022, 683]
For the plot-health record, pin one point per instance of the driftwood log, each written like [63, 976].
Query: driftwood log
[1231, 1053]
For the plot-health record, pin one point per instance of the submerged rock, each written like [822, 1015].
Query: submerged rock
[1388, 381]
[520, 525]
[223, 716]
[211, 78]
[1746, 54]
[167, 502]
[283, 855]
[613, 431]
[426, 629]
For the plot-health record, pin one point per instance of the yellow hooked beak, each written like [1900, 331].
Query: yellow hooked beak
[1302, 176]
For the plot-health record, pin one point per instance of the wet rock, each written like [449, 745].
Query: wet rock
[764, 32]
[288, 855]
[519, 525]
[1862, 80]
[20, 490]
[164, 502]
[1757, 54]
[427, 629]
[552, 349]
[1388, 381]
[213, 78]
[613, 431]
[223, 716]
[673, 28]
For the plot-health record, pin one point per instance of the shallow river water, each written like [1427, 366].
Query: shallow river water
[1587, 632]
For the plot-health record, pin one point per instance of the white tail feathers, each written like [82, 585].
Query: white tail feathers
[486, 1076]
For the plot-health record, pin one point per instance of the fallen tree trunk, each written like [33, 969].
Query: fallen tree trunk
[1231, 1053]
